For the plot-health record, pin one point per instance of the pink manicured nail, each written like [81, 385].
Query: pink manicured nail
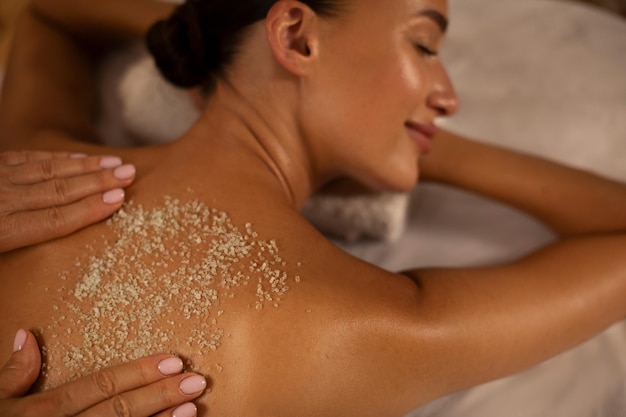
[186, 410]
[20, 340]
[113, 196]
[193, 385]
[110, 162]
[125, 172]
[171, 366]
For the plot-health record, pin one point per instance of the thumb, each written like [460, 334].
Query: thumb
[23, 367]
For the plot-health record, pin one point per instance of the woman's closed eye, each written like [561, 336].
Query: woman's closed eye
[425, 50]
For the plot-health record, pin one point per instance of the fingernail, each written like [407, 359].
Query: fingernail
[78, 156]
[186, 410]
[125, 172]
[110, 162]
[20, 340]
[171, 366]
[113, 196]
[193, 385]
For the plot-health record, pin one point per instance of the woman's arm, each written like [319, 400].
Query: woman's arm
[47, 103]
[571, 201]
[475, 325]
[428, 333]
[494, 321]
[49, 96]
[456, 328]
[108, 20]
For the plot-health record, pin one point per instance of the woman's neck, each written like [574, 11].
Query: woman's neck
[239, 136]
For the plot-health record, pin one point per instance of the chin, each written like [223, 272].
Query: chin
[405, 176]
[404, 187]
[401, 182]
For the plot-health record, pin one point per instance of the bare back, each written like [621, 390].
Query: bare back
[236, 284]
[212, 260]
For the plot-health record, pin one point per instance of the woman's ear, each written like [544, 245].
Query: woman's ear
[291, 29]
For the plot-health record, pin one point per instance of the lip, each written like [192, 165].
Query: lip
[422, 134]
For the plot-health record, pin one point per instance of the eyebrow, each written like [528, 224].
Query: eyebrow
[437, 17]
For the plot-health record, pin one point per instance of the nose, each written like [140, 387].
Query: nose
[443, 98]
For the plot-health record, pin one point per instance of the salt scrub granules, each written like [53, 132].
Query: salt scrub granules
[163, 267]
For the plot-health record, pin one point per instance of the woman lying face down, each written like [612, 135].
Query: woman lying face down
[211, 259]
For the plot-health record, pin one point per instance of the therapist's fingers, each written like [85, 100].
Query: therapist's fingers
[31, 227]
[46, 195]
[141, 388]
[152, 399]
[22, 369]
[58, 166]
[184, 410]
[12, 158]
[63, 191]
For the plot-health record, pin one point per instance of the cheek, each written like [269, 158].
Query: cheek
[395, 86]
[366, 102]
[412, 77]
[357, 113]
[380, 98]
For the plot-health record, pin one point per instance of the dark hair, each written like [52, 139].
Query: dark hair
[193, 47]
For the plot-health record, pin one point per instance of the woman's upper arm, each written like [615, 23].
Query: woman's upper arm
[458, 328]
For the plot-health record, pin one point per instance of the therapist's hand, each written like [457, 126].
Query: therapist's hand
[46, 195]
[152, 386]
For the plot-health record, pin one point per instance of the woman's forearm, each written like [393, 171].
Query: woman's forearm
[49, 95]
[49, 87]
[571, 201]
[105, 19]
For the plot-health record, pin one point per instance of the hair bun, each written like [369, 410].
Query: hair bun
[185, 49]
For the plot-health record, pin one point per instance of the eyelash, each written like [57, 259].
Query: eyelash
[425, 50]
